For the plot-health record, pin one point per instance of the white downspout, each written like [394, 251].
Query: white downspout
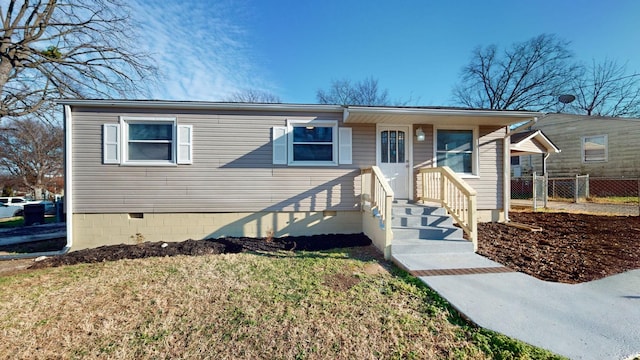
[506, 146]
[68, 178]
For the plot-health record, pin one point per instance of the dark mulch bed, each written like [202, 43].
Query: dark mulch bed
[202, 247]
[572, 248]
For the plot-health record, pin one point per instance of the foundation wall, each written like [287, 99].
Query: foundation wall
[93, 230]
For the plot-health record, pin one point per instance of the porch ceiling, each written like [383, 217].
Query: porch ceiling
[435, 116]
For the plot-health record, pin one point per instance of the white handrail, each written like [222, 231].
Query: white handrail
[445, 187]
[379, 193]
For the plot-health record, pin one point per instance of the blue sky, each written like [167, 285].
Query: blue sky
[416, 49]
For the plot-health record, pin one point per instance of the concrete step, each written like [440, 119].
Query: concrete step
[427, 233]
[410, 209]
[423, 246]
[438, 261]
[421, 220]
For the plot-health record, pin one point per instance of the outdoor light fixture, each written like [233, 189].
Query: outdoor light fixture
[419, 134]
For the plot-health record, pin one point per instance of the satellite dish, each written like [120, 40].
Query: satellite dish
[566, 98]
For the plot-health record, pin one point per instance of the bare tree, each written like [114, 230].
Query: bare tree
[344, 92]
[528, 76]
[32, 152]
[606, 89]
[254, 96]
[67, 48]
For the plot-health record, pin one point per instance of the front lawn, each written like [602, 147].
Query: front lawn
[342, 304]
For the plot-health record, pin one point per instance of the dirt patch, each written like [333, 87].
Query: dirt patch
[571, 248]
[341, 282]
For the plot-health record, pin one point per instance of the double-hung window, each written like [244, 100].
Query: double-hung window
[150, 141]
[594, 149]
[456, 149]
[313, 142]
[147, 141]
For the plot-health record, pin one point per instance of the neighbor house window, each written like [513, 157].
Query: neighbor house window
[313, 142]
[147, 141]
[456, 149]
[594, 148]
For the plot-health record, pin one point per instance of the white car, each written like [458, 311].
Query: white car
[13, 200]
[7, 211]
[14, 206]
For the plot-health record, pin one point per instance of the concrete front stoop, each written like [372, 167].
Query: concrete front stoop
[421, 232]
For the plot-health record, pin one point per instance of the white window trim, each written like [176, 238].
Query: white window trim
[475, 161]
[606, 149]
[124, 126]
[291, 123]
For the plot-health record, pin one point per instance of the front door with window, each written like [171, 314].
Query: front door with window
[393, 158]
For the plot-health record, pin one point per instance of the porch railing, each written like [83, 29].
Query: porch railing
[376, 204]
[443, 186]
[377, 191]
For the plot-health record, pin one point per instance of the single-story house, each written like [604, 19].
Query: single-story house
[170, 170]
[603, 147]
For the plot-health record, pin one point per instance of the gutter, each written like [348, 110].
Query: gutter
[439, 111]
[506, 146]
[198, 105]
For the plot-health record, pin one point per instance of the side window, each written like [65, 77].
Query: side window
[594, 149]
[147, 141]
[150, 141]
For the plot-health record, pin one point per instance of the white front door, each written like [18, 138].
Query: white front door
[393, 157]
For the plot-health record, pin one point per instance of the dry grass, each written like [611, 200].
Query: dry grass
[320, 305]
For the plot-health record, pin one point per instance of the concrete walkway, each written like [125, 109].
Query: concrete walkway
[24, 234]
[595, 320]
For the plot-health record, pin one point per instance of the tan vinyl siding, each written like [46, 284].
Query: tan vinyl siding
[232, 169]
[567, 131]
[422, 154]
[489, 182]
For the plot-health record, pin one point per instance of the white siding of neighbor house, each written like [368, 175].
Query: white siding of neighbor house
[567, 131]
[232, 168]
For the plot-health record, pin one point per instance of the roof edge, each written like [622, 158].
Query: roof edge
[441, 111]
[177, 104]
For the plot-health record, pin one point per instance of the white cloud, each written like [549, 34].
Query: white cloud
[200, 48]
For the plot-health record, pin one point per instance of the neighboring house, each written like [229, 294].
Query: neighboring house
[531, 143]
[169, 171]
[602, 147]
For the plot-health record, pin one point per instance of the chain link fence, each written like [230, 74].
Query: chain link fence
[580, 192]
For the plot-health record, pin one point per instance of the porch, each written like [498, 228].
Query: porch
[442, 200]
